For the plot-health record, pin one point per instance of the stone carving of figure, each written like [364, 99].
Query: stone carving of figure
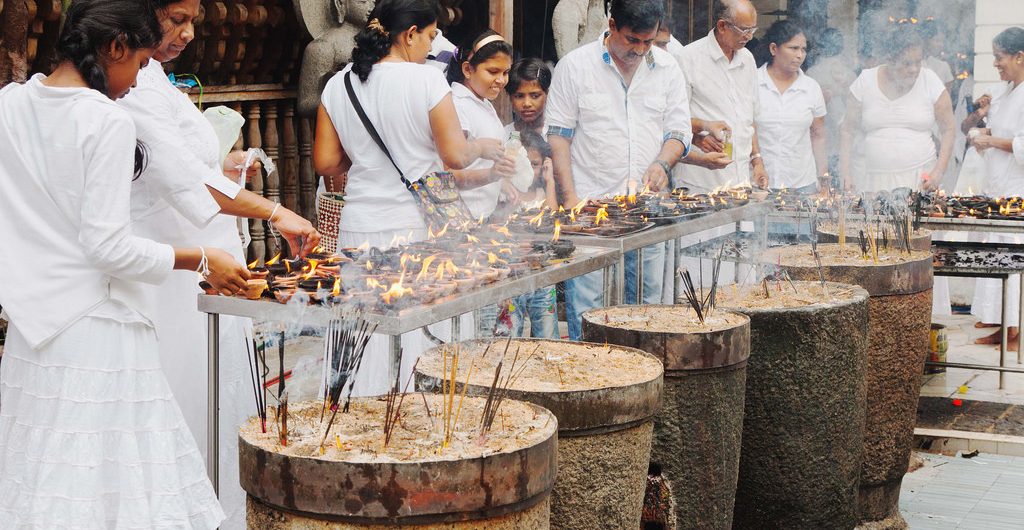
[577, 22]
[333, 26]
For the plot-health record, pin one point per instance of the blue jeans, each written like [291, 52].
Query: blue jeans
[586, 292]
[540, 307]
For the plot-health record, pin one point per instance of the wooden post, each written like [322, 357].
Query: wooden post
[255, 139]
[289, 158]
[501, 21]
[307, 177]
[14, 22]
[271, 144]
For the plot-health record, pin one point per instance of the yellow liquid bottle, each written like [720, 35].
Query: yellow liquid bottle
[727, 144]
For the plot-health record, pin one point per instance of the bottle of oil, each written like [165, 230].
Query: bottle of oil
[727, 144]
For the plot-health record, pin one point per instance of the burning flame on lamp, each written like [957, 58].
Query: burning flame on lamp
[558, 230]
[424, 270]
[336, 291]
[274, 259]
[537, 219]
[253, 264]
[312, 269]
[602, 215]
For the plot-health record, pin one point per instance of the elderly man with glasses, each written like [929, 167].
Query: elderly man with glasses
[722, 87]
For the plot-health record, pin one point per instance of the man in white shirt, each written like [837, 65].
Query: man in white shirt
[618, 120]
[722, 87]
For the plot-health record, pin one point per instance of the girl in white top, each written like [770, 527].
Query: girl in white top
[410, 105]
[790, 114]
[176, 201]
[895, 106]
[90, 435]
[1002, 146]
[478, 73]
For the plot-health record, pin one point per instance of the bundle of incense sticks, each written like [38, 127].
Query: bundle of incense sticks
[345, 344]
[499, 388]
[258, 372]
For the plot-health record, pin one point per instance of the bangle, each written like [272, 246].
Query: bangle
[273, 212]
[664, 165]
[204, 264]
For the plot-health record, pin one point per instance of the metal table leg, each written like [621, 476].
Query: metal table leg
[456, 328]
[395, 354]
[606, 283]
[213, 400]
[1020, 317]
[639, 276]
[620, 280]
[1004, 329]
[676, 263]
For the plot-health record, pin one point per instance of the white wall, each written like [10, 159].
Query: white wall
[991, 17]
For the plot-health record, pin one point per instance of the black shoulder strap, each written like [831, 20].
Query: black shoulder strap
[370, 128]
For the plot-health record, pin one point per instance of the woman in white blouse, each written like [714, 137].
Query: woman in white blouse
[1002, 146]
[176, 201]
[90, 435]
[790, 115]
[895, 106]
[410, 106]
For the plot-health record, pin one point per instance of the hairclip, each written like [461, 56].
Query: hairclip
[376, 26]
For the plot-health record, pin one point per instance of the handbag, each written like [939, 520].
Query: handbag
[435, 193]
[328, 216]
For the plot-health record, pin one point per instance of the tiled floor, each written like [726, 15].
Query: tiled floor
[973, 384]
[985, 493]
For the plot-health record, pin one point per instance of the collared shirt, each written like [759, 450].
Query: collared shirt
[66, 177]
[479, 120]
[1005, 170]
[617, 130]
[721, 90]
[784, 129]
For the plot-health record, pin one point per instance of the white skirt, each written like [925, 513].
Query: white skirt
[91, 437]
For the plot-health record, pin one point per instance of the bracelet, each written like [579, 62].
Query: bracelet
[664, 165]
[204, 265]
[273, 212]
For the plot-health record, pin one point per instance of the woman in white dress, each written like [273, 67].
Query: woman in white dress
[1001, 144]
[895, 106]
[790, 116]
[410, 105]
[176, 201]
[90, 435]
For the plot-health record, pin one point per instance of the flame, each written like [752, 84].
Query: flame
[274, 260]
[312, 269]
[450, 268]
[287, 266]
[254, 264]
[558, 230]
[963, 75]
[397, 290]
[440, 272]
[495, 242]
[472, 239]
[372, 283]
[364, 246]
[427, 262]
[369, 266]
[602, 215]
[492, 258]
[537, 219]
[336, 291]
[503, 231]
[475, 264]
[579, 206]
[505, 251]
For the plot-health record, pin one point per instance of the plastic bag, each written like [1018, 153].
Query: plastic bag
[523, 177]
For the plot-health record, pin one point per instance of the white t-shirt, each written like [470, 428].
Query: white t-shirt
[66, 176]
[479, 120]
[897, 133]
[720, 89]
[1005, 171]
[941, 69]
[784, 129]
[616, 132]
[398, 98]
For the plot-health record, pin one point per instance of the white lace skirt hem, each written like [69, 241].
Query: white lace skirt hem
[91, 437]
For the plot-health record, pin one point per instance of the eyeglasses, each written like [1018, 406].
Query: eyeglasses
[746, 32]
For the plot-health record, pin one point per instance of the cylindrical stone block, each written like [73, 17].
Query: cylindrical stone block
[499, 480]
[697, 433]
[803, 427]
[899, 319]
[605, 398]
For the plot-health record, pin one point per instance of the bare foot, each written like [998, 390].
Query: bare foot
[980, 325]
[997, 337]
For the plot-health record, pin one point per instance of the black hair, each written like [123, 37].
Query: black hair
[781, 32]
[637, 15]
[1010, 40]
[533, 140]
[830, 43]
[526, 70]
[903, 36]
[89, 28]
[467, 52]
[395, 17]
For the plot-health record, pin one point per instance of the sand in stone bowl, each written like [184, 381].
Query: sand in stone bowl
[548, 365]
[834, 255]
[668, 319]
[358, 436]
[785, 295]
